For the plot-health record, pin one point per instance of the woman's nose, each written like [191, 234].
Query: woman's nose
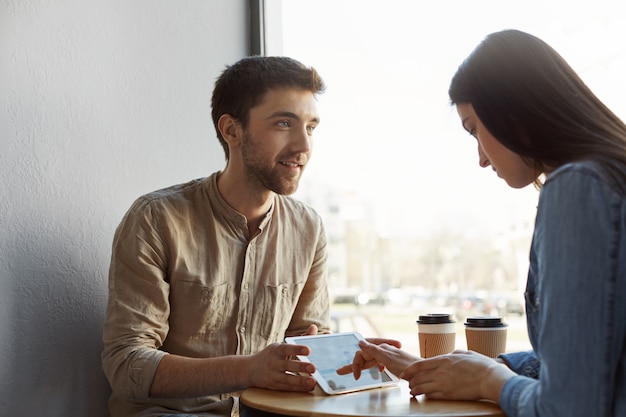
[483, 161]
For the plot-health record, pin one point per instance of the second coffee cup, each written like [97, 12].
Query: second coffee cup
[437, 334]
[486, 335]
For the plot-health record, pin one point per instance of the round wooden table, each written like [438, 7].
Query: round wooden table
[380, 402]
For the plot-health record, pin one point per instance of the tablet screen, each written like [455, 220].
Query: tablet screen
[332, 351]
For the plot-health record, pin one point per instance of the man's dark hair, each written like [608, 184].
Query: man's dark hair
[243, 85]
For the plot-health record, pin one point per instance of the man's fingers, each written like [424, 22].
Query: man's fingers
[292, 382]
[312, 330]
[298, 366]
[286, 350]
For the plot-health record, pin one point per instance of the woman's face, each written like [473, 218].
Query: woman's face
[507, 164]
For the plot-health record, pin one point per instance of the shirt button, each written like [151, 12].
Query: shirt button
[242, 329]
[245, 286]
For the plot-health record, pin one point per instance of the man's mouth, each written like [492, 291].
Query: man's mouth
[291, 164]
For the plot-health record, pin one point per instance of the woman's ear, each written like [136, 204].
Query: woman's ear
[231, 130]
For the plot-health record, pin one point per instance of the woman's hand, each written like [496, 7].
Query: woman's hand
[384, 353]
[460, 375]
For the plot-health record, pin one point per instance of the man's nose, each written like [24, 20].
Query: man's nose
[302, 141]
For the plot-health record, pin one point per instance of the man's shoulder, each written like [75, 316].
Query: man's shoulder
[174, 190]
[174, 196]
[293, 207]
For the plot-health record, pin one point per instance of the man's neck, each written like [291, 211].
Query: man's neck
[252, 203]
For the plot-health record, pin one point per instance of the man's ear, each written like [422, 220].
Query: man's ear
[231, 130]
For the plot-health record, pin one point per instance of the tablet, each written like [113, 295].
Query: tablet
[332, 351]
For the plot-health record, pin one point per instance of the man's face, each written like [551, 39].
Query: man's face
[277, 142]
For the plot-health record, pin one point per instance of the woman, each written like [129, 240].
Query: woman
[535, 121]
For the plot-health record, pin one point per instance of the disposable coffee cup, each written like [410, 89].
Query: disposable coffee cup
[486, 335]
[437, 334]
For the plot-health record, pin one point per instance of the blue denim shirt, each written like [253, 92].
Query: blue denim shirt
[575, 302]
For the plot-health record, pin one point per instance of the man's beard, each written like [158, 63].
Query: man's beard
[265, 175]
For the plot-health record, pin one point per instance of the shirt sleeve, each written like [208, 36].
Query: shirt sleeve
[136, 321]
[522, 363]
[575, 247]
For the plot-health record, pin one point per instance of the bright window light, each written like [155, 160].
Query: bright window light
[412, 220]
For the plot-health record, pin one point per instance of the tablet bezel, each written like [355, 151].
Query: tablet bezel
[363, 383]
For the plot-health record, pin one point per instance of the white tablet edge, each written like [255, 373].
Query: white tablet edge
[297, 340]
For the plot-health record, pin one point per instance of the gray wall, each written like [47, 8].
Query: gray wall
[100, 101]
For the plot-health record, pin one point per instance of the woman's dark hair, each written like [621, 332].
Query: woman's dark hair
[533, 102]
[243, 85]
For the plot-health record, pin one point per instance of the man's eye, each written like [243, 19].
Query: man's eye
[472, 132]
[283, 123]
[310, 129]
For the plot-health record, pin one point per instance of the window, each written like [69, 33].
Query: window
[414, 225]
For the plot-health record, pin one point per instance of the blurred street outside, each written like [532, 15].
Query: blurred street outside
[400, 324]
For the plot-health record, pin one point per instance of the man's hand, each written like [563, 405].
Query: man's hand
[313, 330]
[273, 368]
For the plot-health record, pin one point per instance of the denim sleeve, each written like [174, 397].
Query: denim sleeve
[572, 308]
[522, 363]
[514, 392]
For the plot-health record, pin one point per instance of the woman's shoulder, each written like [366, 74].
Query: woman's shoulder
[588, 166]
[611, 175]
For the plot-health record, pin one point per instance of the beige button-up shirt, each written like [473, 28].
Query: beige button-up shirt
[185, 280]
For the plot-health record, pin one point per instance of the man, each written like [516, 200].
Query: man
[208, 277]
